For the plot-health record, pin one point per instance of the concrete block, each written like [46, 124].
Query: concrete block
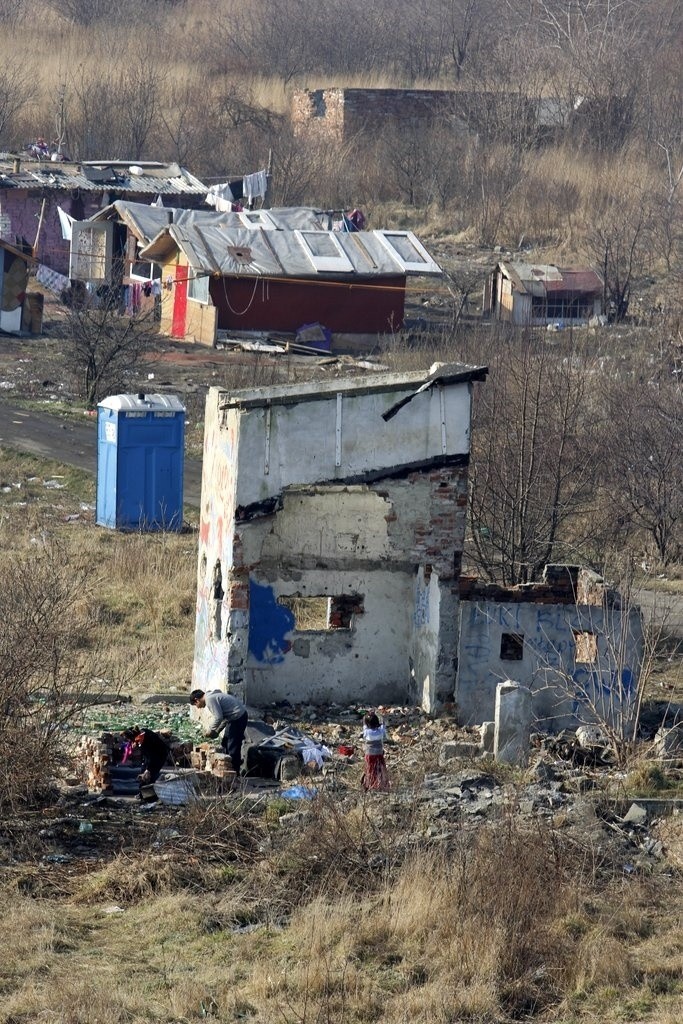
[458, 748]
[636, 815]
[591, 736]
[487, 730]
[669, 742]
[512, 723]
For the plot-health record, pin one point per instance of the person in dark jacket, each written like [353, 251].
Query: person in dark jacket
[224, 712]
[154, 751]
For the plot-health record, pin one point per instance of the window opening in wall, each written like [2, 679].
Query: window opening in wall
[218, 595]
[321, 612]
[586, 647]
[512, 647]
[198, 287]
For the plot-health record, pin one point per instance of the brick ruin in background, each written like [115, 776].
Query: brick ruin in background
[340, 114]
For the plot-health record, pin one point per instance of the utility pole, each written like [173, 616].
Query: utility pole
[61, 120]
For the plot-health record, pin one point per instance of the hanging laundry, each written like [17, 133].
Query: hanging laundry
[217, 193]
[255, 185]
[65, 220]
[52, 279]
[236, 188]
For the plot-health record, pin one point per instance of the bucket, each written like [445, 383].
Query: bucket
[346, 750]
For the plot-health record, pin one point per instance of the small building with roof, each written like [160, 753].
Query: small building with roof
[33, 191]
[262, 276]
[106, 248]
[538, 293]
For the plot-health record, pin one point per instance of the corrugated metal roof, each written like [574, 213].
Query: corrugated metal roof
[154, 179]
[579, 280]
[540, 279]
[247, 252]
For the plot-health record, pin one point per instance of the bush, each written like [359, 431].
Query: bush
[45, 658]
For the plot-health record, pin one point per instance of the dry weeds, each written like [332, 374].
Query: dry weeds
[506, 924]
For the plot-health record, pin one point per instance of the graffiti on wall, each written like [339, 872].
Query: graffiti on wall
[269, 625]
[549, 648]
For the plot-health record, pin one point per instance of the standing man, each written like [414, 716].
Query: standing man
[227, 713]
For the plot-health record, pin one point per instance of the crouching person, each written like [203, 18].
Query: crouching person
[153, 749]
[225, 713]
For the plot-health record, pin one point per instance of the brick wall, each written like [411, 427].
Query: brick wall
[342, 113]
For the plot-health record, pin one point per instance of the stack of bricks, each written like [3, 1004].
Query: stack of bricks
[221, 766]
[96, 755]
[201, 757]
[222, 770]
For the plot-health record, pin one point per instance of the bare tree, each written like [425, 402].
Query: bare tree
[531, 477]
[12, 12]
[17, 92]
[103, 348]
[645, 474]
[620, 245]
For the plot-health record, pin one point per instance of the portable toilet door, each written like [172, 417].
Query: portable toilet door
[140, 456]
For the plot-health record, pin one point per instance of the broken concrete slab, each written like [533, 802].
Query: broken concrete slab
[512, 723]
[488, 731]
[636, 815]
[455, 749]
[669, 742]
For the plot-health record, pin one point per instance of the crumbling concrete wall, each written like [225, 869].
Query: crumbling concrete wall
[578, 651]
[323, 499]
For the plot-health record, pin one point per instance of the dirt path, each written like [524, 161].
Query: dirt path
[52, 437]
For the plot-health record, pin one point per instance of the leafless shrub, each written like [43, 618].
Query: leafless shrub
[46, 666]
[103, 347]
[17, 91]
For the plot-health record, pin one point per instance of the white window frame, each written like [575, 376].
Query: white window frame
[143, 280]
[426, 267]
[336, 263]
[257, 219]
[204, 300]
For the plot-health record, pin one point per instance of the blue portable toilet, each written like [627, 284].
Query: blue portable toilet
[140, 449]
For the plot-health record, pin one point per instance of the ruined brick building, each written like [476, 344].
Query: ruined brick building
[332, 530]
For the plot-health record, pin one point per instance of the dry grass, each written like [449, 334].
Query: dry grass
[142, 607]
[506, 925]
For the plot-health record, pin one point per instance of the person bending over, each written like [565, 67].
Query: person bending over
[227, 714]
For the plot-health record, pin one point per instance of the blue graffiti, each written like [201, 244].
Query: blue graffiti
[269, 624]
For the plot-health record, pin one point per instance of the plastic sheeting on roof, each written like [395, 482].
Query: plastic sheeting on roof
[147, 221]
[245, 252]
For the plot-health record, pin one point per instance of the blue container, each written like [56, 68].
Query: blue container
[140, 449]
